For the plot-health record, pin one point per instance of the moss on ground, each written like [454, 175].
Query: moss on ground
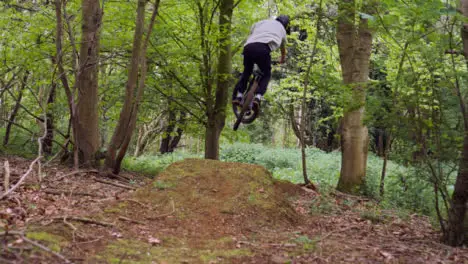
[54, 242]
[135, 251]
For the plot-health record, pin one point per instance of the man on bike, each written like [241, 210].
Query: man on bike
[265, 37]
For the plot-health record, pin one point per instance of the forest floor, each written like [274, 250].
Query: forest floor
[200, 211]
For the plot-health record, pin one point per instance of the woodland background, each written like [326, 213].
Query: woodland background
[376, 88]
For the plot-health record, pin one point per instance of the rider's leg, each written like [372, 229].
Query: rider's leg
[265, 66]
[248, 68]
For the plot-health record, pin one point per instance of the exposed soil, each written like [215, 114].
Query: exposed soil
[201, 211]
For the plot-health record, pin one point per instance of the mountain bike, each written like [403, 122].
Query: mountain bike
[244, 112]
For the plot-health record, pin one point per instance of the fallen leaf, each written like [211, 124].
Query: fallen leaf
[50, 210]
[154, 240]
[386, 254]
[279, 259]
[116, 234]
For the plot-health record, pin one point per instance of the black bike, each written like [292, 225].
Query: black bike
[245, 112]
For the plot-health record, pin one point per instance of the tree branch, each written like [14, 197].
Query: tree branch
[31, 167]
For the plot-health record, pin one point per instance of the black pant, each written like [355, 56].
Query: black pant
[258, 53]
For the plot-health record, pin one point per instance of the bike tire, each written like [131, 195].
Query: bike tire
[238, 121]
[245, 107]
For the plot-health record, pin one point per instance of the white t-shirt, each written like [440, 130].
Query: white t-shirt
[268, 31]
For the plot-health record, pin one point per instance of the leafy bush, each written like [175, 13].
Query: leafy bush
[245, 153]
[407, 189]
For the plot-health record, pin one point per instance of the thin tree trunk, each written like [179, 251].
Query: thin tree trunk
[296, 126]
[13, 114]
[139, 142]
[384, 167]
[304, 99]
[64, 80]
[170, 142]
[49, 137]
[175, 140]
[355, 43]
[147, 133]
[285, 135]
[170, 125]
[134, 91]
[217, 115]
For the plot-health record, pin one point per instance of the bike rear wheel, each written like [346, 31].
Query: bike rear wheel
[246, 115]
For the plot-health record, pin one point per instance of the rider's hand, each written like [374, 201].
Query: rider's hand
[282, 60]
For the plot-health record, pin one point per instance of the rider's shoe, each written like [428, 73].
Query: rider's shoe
[238, 99]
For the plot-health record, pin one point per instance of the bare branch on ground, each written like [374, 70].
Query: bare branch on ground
[6, 182]
[25, 175]
[68, 192]
[84, 220]
[115, 184]
[123, 218]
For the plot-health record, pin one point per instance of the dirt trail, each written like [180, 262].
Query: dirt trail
[201, 211]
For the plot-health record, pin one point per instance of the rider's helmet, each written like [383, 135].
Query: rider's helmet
[284, 20]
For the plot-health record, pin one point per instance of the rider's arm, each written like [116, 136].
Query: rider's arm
[283, 52]
[252, 28]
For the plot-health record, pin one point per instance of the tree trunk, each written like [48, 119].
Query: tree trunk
[217, 115]
[354, 43]
[63, 78]
[175, 140]
[456, 230]
[384, 166]
[87, 83]
[304, 99]
[134, 91]
[170, 125]
[49, 137]
[296, 126]
[147, 134]
[170, 142]
[11, 118]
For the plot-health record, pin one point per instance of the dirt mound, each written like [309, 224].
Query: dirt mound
[218, 197]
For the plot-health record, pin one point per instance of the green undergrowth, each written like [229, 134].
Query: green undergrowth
[152, 165]
[21, 143]
[406, 188]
